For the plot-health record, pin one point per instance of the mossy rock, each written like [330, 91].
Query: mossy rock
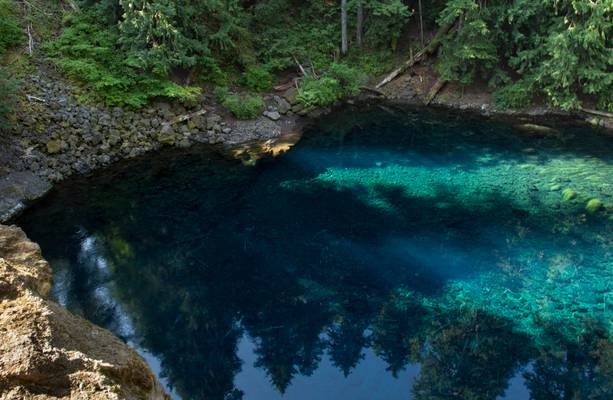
[54, 146]
[167, 136]
[594, 205]
[568, 194]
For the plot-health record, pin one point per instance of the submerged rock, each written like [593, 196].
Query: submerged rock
[593, 205]
[568, 194]
[534, 128]
[48, 353]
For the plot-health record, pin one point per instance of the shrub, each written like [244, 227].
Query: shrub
[515, 95]
[10, 35]
[337, 82]
[11, 32]
[349, 78]
[373, 63]
[605, 102]
[320, 92]
[257, 78]
[245, 106]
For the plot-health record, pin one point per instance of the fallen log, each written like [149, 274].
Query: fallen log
[438, 85]
[375, 91]
[429, 49]
[31, 98]
[598, 113]
[284, 87]
[302, 70]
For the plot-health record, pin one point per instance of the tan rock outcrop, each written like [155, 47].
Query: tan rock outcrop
[48, 353]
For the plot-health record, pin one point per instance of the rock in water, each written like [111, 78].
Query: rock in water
[48, 353]
[534, 128]
[568, 194]
[593, 205]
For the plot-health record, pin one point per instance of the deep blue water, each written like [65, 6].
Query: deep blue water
[391, 254]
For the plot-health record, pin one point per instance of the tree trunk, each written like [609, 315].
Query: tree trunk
[344, 45]
[360, 24]
[421, 24]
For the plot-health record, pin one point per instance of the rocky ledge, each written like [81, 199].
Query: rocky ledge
[48, 353]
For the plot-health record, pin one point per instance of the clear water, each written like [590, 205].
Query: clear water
[389, 255]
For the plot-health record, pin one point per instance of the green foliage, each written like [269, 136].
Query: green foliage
[388, 20]
[320, 92]
[562, 48]
[257, 78]
[310, 31]
[242, 106]
[350, 78]
[127, 51]
[471, 50]
[11, 32]
[283, 31]
[8, 88]
[339, 81]
[515, 95]
[373, 63]
[605, 101]
[167, 34]
[87, 52]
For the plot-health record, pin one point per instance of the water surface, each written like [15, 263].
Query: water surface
[392, 254]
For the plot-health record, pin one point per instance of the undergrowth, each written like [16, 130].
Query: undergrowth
[337, 82]
[242, 106]
[88, 53]
[11, 34]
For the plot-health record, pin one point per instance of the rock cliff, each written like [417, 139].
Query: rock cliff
[48, 353]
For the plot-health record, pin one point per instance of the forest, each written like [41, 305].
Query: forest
[128, 52]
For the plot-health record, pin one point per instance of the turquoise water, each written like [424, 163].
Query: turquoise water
[391, 254]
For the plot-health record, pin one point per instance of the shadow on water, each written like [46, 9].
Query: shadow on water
[350, 250]
[453, 137]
